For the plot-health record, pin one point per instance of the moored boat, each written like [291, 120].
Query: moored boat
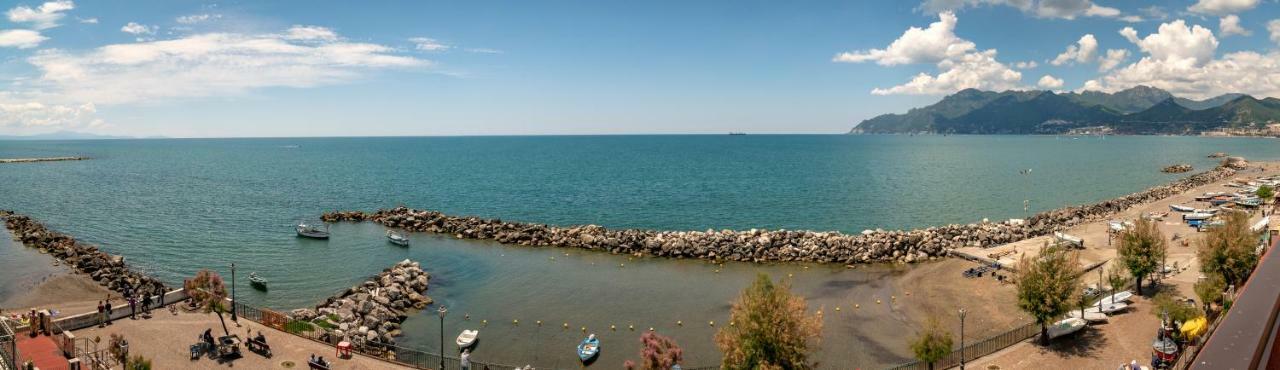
[397, 238]
[308, 230]
[1066, 326]
[1196, 216]
[1181, 208]
[467, 338]
[257, 281]
[589, 348]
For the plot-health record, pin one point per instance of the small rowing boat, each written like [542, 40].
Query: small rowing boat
[397, 238]
[1108, 308]
[308, 230]
[1196, 216]
[257, 281]
[1089, 316]
[589, 348]
[1066, 326]
[1181, 208]
[467, 338]
[1122, 296]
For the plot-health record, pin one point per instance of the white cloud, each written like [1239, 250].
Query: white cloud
[484, 51]
[1155, 12]
[974, 70]
[1181, 60]
[1064, 9]
[33, 114]
[428, 44]
[916, 45]
[310, 33]
[1025, 65]
[1091, 85]
[1222, 7]
[1081, 52]
[1273, 27]
[196, 18]
[138, 29]
[1230, 25]
[1176, 43]
[21, 39]
[1131, 18]
[211, 64]
[87, 20]
[43, 17]
[1050, 82]
[1112, 59]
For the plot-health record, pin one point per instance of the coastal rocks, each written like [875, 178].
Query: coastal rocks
[108, 270]
[375, 307]
[1237, 163]
[871, 246]
[1177, 168]
[1218, 155]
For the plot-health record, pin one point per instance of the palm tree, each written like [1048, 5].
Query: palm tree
[209, 293]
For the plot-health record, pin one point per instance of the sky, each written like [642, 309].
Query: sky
[392, 68]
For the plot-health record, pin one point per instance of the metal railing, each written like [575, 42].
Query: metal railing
[978, 349]
[8, 346]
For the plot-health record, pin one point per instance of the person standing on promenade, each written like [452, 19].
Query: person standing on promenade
[102, 311]
[146, 305]
[109, 310]
[133, 307]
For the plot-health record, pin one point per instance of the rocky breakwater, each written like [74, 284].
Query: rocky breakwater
[1177, 168]
[108, 270]
[872, 246]
[369, 314]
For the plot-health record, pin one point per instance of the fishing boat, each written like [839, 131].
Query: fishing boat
[467, 338]
[1181, 208]
[308, 230]
[1093, 317]
[257, 281]
[589, 348]
[1066, 326]
[397, 238]
[1123, 296]
[1212, 211]
[1108, 308]
[1196, 216]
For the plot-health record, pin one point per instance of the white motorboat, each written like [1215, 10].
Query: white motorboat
[1089, 316]
[397, 238]
[467, 338]
[1107, 308]
[1181, 208]
[1066, 326]
[1123, 296]
[1196, 216]
[308, 230]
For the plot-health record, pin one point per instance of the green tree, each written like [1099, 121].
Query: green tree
[656, 353]
[138, 363]
[1178, 310]
[1228, 251]
[769, 329]
[1048, 285]
[209, 292]
[1142, 249]
[1266, 192]
[1210, 289]
[931, 344]
[1116, 278]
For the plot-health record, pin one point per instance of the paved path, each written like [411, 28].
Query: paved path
[42, 351]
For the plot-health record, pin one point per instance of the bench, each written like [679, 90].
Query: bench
[259, 347]
[317, 366]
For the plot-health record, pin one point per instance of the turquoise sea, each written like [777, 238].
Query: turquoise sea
[175, 206]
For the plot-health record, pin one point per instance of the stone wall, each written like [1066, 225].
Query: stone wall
[776, 245]
[370, 313]
[108, 270]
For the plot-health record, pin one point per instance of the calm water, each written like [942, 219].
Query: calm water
[174, 206]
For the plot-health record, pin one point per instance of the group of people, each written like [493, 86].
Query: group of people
[319, 360]
[135, 299]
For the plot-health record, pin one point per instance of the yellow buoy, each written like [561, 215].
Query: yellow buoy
[711, 323]
[893, 297]
[650, 328]
[877, 301]
[611, 327]
[553, 258]
[731, 323]
[622, 265]
[819, 312]
[566, 325]
[631, 327]
[515, 322]
[679, 323]
[539, 322]
[789, 274]
[484, 322]
[837, 308]
[855, 305]
[584, 329]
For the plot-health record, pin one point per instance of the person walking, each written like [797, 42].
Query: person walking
[102, 311]
[133, 307]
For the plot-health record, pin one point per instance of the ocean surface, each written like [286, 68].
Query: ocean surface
[175, 206]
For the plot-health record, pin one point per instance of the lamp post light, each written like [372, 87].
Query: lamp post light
[233, 293]
[962, 313]
[442, 312]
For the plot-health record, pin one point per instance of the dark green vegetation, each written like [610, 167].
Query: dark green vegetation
[1138, 110]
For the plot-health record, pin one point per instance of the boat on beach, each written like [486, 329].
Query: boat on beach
[397, 238]
[308, 230]
[257, 281]
[1107, 308]
[1181, 208]
[1066, 326]
[589, 348]
[1196, 216]
[1093, 317]
[1119, 297]
[467, 339]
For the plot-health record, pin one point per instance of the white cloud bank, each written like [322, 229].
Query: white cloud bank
[1230, 25]
[1081, 52]
[45, 16]
[960, 65]
[1061, 9]
[428, 44]
[21, 39]
[1222, 7]
[1050, 82]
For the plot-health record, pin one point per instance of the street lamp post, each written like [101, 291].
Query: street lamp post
[442, 312]
[233, 292]
[962, 313]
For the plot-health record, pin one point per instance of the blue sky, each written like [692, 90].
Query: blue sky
[340, 68]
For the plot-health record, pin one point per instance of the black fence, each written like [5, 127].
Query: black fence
[8, 346]
[978, 349]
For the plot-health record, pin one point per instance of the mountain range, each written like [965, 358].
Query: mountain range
[1137, 110]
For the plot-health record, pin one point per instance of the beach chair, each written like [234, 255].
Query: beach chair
[259, 347]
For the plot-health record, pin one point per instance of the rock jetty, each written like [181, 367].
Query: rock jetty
[1177, 168]
[108, 270]
[49, 159]
[755, 245]
[1218, 155]
[369, 314]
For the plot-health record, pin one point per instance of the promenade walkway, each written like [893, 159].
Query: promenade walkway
[42, 351]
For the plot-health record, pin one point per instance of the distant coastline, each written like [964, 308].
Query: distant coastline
[45, 159]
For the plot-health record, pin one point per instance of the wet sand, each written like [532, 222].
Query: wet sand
[44, 285]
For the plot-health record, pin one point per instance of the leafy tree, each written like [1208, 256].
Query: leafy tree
[138, 363]
[1116, 278]
[1142, 249]
[1178, 310]
[209, 292]
[769, 329]
[656, 353]
[1266, 192]
[931, 344]
[1228, 251]
[1047, 285]
[1210, 290]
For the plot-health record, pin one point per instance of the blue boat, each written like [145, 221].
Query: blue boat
[589, 349]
